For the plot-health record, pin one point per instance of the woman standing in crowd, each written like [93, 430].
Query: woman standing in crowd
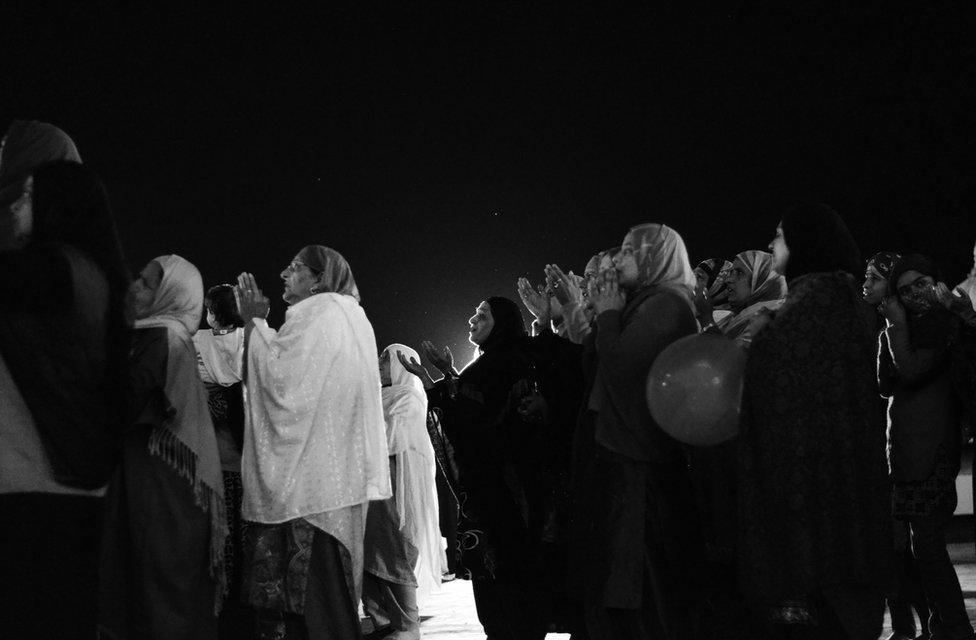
[315, 449]
[492, 440]
[220, 351]
[924, 432]
[162, 559]
[63, 343]
[905, 591]
[754, 288]
[812, 485]
[402, 545]
[642, 544]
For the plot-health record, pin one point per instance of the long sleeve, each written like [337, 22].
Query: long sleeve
[913, 365]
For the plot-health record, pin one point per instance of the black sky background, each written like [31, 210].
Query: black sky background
[447, 149]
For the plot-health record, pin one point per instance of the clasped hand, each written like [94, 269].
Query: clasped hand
[605, 294]
[251, 303]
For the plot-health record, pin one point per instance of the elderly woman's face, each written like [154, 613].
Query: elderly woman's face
[17, 222]
[481, 324]
[738, 285]
[300, 281]
[142, 291]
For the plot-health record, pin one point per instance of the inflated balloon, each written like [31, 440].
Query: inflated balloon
[694, 389]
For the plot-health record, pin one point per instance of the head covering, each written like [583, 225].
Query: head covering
[336, 275]
[27, 144]
[764, 283]
[710, 268]
[662, 259]
[882, 263]
[716, 290]
[186, 440]
[509, 324]
[916, 302]
[179, 298]
[818, 241]
[405, 412]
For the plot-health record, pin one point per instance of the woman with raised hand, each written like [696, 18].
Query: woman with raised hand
[162, 557]
[813, 532]
[924, 435]
[64, 339]
[642, 543]
[402, 545]
[494, 422]
[315, 449]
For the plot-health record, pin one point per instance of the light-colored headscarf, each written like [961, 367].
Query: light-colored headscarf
[187, 440]
[405, 411]
[662, 259]
[27, 144]
[767, 291]
[179, 297]
[335, 272]
[969, 284]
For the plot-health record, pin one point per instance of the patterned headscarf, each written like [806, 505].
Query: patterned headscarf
[335, 271]
[662, 259]
[764, 283]
[882, 263]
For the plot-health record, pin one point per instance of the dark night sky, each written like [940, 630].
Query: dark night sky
[447, 150]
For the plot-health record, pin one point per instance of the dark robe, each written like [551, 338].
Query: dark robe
[812, 478]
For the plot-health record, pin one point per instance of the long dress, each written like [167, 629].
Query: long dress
[812, 479]
[314, 454]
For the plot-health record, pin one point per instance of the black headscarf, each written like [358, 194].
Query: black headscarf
[509, 325]
[818, 241]
[27, 144]
[77, 399]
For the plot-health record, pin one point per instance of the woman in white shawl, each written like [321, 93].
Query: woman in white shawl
[162, 556]
[315, 449]
[402, 534]
[755, 289]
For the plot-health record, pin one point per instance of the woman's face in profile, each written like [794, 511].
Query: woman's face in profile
[781, 252]
[481, 324]
[142, 291]
[17, 222]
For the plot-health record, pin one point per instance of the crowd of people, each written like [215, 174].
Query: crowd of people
[158, 480]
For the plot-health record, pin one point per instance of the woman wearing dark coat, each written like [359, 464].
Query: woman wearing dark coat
[493, 438]
[924, 435]
[812, 485]
[643, 543]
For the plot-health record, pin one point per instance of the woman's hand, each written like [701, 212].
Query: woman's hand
[417, 369]
[703, 307]
[892, 310]
[442, 359]
[536, 301]
[605, 294]
[957, 301]
[251, 303]
[565, 287]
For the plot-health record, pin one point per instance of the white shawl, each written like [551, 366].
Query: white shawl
[220, 357]
[405, 410]
[314, 435]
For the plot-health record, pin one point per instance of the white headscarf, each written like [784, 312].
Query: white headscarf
[405, 410]
[662, 259]
[187, 439]
[767, 290]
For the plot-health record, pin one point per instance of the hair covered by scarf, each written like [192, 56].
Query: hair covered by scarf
[882, 263]
[662, 259]
[179, 297]
[335, 274]
[509, 324]
[819, 242]
[27, 144]
[764, 283]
